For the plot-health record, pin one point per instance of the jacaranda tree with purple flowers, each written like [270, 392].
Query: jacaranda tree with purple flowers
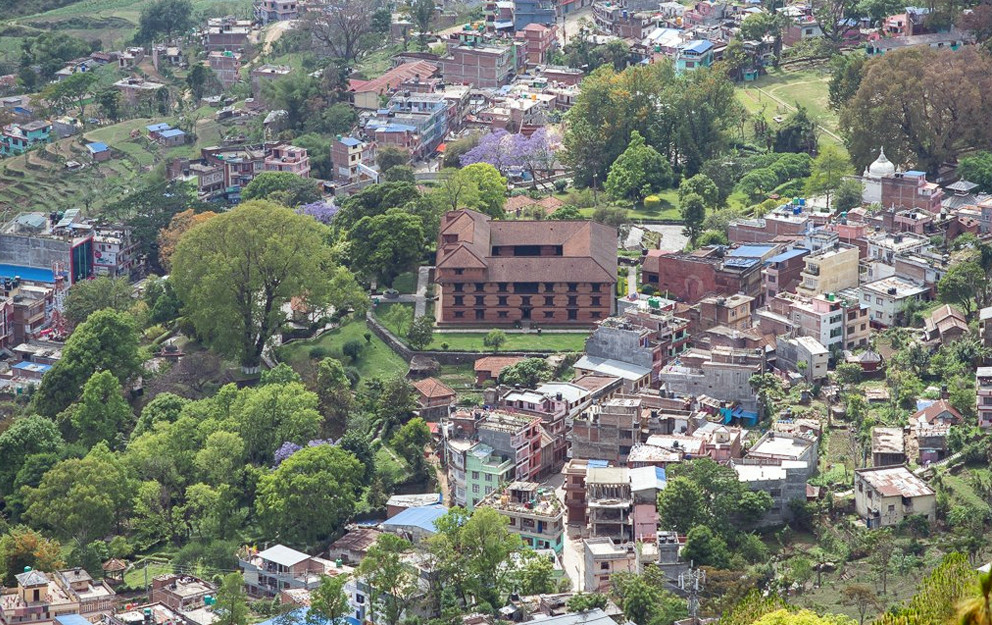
[536, 154]
[322, 211]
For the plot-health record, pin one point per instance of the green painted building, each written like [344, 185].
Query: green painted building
[485, 472]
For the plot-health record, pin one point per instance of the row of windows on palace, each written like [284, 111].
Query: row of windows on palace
[572, 314]
[526, 287]
[549, 300]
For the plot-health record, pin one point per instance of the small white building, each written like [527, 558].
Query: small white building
[872, 178]
[886, 298]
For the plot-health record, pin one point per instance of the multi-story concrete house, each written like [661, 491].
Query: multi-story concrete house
[691, 276]
[836, 320]
[983, 384]
[226, 65]
[278, 568]
[722, 373]
[538, 40]
[484, 66]
[884, 496]
[19, 138]
[911, 190]
[885, 246]
[181, 592]
[602, 558]
[276, 10]
[811, 353]
[40, 598]
[485, 471]
[784, 480]
[502, 272]
[288, 158]
[799, 446]
[782, 272]
[518, 437]
[609, 503]
[886, 299]
[352, 160]
[829, 270]
[733, 311]
[607, 431]
[534, 13]
[226, 33]
[535, 515]
[415, 122]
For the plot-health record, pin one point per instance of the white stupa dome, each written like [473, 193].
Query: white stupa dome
[882, 166]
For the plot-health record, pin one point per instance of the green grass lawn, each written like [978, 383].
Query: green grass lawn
[472, 341]
[376, 358]
[406, 282]
[778, 92]
[135, 577]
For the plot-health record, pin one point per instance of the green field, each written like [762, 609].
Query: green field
[515, 342]
[376, 358]
[779, 91]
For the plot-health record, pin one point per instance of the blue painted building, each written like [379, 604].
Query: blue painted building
[694, 54]
[543, 12]
[19, 138]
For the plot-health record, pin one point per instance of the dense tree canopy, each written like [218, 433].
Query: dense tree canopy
[236, 271]
[686, 131]
[310, 495]
[106, 341]
[901, 104]
[165, 19]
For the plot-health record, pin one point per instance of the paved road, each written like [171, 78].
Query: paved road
[420, 299]
[632, 281]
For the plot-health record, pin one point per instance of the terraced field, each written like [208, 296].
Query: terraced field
[39, 180]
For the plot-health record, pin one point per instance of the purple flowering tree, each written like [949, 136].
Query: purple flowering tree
[322, 211]
[288, 448]
[495, 148]
[537, 154]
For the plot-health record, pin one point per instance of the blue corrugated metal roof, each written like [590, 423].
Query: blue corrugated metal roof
[750, 251]
[94, 148]
[350, 141]
[698, 46]
[786, 255]
[158, 127]
[71, 619]
[597, 464]
[31, 274]
[173, 132]
[658, 471]
[423, 517]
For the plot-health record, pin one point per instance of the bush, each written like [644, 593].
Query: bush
[352, 349]
[318, 353]
[652, 203]
[561, 185]
[648, 289]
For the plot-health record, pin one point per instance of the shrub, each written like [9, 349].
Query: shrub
[318, 353]
[352, 349]
[652, 203]
[648, 289]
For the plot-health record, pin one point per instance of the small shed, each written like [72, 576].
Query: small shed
[172, 137]
[99, 151]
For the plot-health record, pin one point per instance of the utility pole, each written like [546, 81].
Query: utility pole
[691, 582]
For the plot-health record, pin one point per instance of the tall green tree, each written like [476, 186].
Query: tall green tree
[966, 285]
[638, 172]
[693, 211]
[106, 341]
[102, 414]
[310, 495]
[329, 600]
[25, 437]
[236, 271]
[390, 579]
[88, 296]
[232, 602]
[282, 186]
[829, 169]
[385, 246]
[269, 415]
[164, 18]
[893, 105]
[83, 498]
[72, 90]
